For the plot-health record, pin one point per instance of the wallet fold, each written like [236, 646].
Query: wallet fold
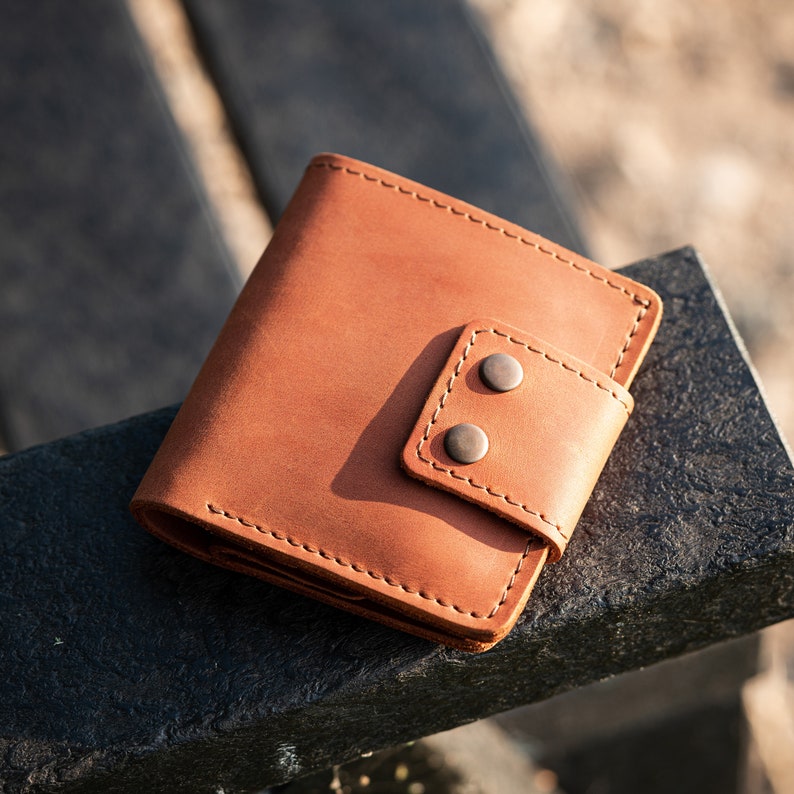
[310, 451]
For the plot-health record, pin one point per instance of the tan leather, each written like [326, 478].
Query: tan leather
[549, 438]
[285, 459]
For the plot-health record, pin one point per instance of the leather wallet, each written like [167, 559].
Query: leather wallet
[406, 410]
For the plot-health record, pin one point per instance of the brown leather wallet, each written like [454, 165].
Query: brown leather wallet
[406, 410]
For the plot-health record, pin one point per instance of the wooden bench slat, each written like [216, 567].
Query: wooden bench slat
[405, 84]
[136, 662]
[114, 279]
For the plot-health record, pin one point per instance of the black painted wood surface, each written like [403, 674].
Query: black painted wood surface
[408, 85]
[128, 666]
[113, 280]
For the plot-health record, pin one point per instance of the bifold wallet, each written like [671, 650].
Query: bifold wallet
[406, 410]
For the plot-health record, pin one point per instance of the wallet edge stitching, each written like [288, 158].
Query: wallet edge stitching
[644, 303]
[218, 511]
[636, 327]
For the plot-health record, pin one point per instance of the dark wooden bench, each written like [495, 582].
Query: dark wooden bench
[126, 665]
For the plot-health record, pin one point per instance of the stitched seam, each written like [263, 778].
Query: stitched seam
[643, 311]
[486, 225]
[445, 396]
[358, 568]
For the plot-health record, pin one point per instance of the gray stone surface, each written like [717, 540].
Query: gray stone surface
[405, 84]
[128, 666]
[113, 281]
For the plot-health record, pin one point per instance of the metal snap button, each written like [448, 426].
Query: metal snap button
[501, 372]
[465, 443]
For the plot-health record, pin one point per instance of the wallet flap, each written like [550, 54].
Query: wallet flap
[519, 428]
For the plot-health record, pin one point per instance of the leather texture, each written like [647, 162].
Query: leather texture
[285, 460]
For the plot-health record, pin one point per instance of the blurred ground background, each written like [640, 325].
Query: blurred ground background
[673, 123]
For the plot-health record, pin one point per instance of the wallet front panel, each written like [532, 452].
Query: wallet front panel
[288, 446]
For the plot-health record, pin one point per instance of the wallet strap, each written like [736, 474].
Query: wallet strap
[519, 428]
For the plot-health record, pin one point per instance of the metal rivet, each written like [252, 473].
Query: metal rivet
[501, 372]
[465, 443]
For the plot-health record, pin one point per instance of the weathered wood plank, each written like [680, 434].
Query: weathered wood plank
[114, 280]
[404, 84]
[135, 666]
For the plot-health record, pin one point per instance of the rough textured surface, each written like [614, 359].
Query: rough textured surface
[104, 237]
[123, 657]
[404, 84]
